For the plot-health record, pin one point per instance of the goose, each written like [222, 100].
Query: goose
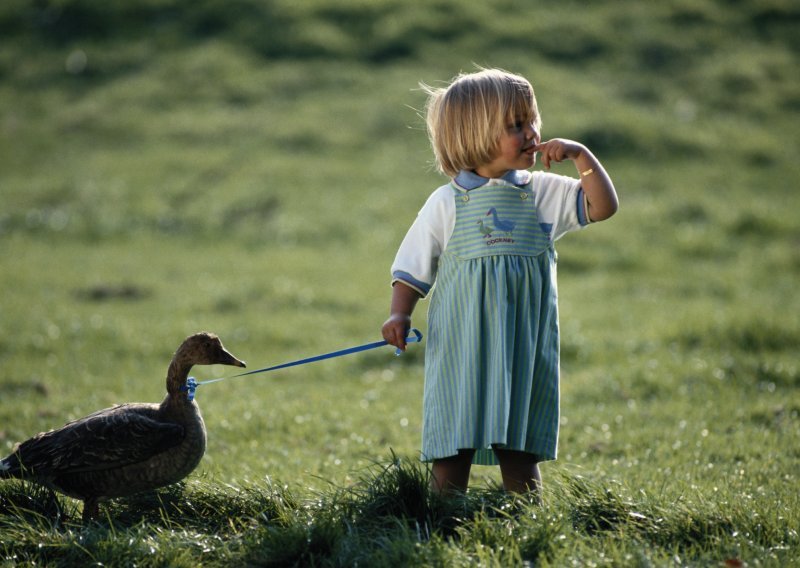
[128, 448]
[505, 225]
[485, 229]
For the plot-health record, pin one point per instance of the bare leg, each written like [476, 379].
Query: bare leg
[520, 471]
[451, 474]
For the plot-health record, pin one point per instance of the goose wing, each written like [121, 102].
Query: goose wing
[107, 439]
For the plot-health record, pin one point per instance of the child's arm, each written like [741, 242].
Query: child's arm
[395, 329]
[601, 197]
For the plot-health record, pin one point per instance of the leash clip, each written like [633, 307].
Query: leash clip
[190, 386]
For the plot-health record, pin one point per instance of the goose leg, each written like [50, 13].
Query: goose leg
[55, 503]
[91, 509]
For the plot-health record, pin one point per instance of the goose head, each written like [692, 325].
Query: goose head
[199, 349]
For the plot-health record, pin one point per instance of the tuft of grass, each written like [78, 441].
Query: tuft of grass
[206, 505]
[33, 505]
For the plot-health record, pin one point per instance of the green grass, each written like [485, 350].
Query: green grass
[250, 168]
[389, 518]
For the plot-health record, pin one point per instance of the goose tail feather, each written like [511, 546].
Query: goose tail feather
[9, 467]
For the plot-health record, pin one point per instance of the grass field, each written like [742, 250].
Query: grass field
[250, 167]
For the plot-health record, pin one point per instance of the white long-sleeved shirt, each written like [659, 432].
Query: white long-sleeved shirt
[560, 206]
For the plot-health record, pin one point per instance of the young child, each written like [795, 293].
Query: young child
[486, 238]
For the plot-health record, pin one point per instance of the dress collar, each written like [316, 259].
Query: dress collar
[469, 180]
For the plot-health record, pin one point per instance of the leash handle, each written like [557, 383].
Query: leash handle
[414, 336]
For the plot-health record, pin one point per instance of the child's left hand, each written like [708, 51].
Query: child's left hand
[558, 150]
[601, 197]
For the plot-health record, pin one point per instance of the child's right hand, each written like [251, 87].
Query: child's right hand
[395, 330]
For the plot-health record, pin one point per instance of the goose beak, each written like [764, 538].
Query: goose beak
[228, 359]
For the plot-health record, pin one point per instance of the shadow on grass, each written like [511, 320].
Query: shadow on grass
[205, 506]
[29, 503]
[389, 516]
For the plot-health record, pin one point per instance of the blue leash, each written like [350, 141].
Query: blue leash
[414, 336]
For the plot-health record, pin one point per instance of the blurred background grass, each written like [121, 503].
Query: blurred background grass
[250, 167]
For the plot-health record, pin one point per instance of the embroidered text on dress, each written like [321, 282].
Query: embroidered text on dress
[491, 242]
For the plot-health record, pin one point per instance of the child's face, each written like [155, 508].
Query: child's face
[515, 150]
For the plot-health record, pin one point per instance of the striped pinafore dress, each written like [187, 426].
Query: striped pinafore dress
[492, 355]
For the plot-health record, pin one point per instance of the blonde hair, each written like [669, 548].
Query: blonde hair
[466, 118]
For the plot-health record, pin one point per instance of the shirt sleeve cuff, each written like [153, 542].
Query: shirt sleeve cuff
[421, 287]
[583, 208]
